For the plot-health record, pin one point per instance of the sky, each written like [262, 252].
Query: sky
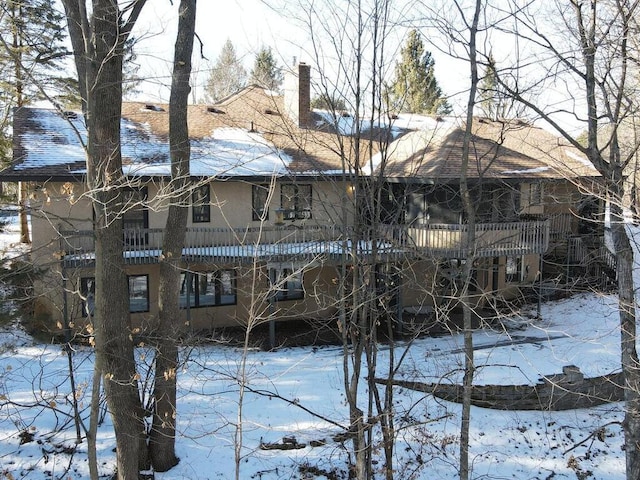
[249, 24]
[253, 24]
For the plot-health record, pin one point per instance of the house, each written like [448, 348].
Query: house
[277, 212]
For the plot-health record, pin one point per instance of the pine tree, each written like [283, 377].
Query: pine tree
[494, 102]
[266, 71]
[227, 75]
[332, 103]
[31, 54]
[415, 88]
[33, 36]
[487, 89]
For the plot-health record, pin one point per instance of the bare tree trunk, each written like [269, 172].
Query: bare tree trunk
[469, 210]
[629, 353]
[98, 46]
[162, 437]
[114, 348]
[601, 33]
[612, 170]
[92, 433]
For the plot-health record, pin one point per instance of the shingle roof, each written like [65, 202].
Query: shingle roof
[498, 149]
[245, 135]
[248, 135]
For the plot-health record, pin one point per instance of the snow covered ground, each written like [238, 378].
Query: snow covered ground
[37, 435]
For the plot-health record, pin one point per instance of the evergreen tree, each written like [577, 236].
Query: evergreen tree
[328, 102]
[415, 88]
[487, 89]
[130, 68]
[33, 36]
[32, 54]
[227, 75]
[266, 71]
[494, 102]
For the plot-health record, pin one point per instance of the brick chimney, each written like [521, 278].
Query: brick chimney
[297, 95]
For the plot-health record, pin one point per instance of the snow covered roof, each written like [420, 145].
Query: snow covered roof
[247, 135]
[51, 144]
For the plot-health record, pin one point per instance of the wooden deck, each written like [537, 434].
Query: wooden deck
[323, 243]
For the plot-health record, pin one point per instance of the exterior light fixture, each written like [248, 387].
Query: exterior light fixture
[351, 190]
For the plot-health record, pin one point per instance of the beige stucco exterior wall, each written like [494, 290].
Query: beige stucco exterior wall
[60, 206]
[53, 206]
[318, 302]
[231, 204]
[64, 206]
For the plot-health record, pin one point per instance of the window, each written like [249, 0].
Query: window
[287, 283]
[513, 269]
[136, 215]
[498, 203]
[138, 294]
[207, 289]
[536, 193]
[295, 200]
[259, 196]
[201, 204]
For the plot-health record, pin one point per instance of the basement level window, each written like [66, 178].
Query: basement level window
[208, 289]
[513, 270]
[138, 294]
[286, 283]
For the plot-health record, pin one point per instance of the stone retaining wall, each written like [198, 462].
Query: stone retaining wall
[565, 391]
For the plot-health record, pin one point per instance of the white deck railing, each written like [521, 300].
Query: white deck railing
[228, 245]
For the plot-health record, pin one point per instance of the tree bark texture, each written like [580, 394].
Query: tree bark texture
[629, 353]
[162, 436]
[470, 213]
[98, 50]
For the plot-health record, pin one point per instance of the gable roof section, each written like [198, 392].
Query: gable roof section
[498, 149]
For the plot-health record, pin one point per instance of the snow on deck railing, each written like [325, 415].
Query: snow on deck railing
[203, 244]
